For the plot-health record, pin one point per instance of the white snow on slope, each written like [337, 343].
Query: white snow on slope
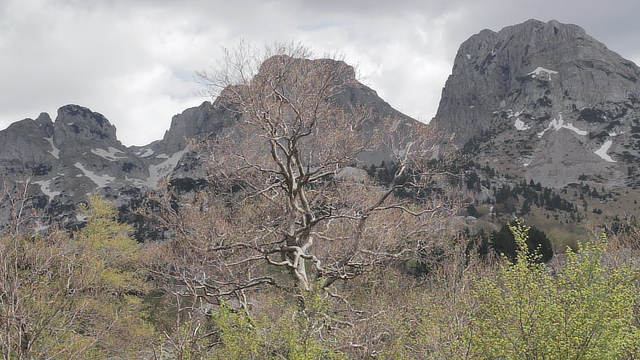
[144, 153]
[520, 125]
[540, 70]
[39, 227]
[100, 180]
[157, 172]
[55, 152]
[602, 152]
[45, 187]
[109, 154]
[557, 124]
[136, 182]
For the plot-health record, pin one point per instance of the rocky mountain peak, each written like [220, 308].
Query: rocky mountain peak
[546, 68]
[194, 123]
[79, 153]
[347, 72]
[44, 119]
[545, 100]
[81, 124]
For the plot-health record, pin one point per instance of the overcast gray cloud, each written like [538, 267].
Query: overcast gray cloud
[133, 60]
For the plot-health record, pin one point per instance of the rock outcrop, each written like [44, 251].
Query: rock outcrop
[545, 100]
[65, 160]
[79, 153]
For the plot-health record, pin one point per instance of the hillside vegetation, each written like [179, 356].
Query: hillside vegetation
[288, 249]
[98, 294]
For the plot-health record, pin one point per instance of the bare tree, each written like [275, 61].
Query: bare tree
[63, 296]
[288, 193]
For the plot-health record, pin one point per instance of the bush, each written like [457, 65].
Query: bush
[587, 312]
[503, 242]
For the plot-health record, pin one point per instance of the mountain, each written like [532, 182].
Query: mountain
[79, 153]
[551, 98]
[541, 109]
[66, 159]
[546, 103]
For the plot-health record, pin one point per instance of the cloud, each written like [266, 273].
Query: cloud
[133, 60]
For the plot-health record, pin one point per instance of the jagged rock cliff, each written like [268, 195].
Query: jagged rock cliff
[79, 153]
[65, 160]
[545, 100]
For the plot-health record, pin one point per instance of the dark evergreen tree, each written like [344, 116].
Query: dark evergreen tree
[471, 209]
[526, 207]
[503, 242]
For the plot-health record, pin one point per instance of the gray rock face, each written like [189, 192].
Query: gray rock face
[219, 118]
[497, 72]
[22, 144]
[196, 122]
[66, 160]
[79, 153]
[78, 124]
[544, 99]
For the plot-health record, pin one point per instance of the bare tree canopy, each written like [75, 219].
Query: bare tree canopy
[288, 191]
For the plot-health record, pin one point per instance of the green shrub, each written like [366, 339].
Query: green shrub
[504, 243]
[586, 312]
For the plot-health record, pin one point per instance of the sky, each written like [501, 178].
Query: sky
[134, 60]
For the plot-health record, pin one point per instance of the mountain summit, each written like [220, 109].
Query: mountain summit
[541, 102]
[546, 100]
[63, 161]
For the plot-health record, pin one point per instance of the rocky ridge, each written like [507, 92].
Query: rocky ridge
[65, 160]
[545, 99]
[547, 103]
[539, 102]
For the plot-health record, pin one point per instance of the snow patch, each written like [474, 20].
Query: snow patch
[526, 160]
[41, 228]
[162, 156]
[602, 152]
[45, 187]
[520, 125]
[144, 153]
[468, 56]
[557, 124]
[540, 70]
[110, 154]
[55, 151]
[136, 182]
[100, 180]
[511, 114]
[157, 172]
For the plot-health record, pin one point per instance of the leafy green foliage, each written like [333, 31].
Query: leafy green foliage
[110, 253]
[504, 243]
[525, 312]
[64, 296]
[285, 333]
